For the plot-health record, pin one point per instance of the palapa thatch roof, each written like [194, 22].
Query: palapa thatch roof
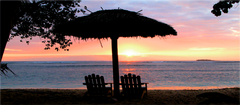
[114, 23]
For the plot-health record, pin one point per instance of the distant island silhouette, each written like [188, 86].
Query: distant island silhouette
[204, 60]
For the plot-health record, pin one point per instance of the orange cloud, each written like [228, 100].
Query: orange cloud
[206, 49]
[7, 49]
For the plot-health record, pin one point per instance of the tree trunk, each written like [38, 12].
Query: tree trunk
[115, 67]
[7, 13]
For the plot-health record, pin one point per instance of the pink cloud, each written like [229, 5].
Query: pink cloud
[196, 27]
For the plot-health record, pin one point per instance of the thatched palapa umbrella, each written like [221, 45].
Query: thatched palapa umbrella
[114, 24]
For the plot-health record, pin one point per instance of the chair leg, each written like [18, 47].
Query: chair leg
[144, 91]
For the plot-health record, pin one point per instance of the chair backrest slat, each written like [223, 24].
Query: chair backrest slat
[131, 83]
[127, 84]
[123, 84]
[98, 84]
[102, 82]
[95, 84]
[136, 90]
[139, 82]
[94, 81]
[87, 83]
[132, 86]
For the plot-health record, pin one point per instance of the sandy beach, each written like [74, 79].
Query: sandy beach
[157, 97]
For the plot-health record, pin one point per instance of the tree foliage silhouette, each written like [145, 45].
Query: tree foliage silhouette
[223, 6]
[36, 18]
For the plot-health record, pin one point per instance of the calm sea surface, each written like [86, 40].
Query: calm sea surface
[159, 74]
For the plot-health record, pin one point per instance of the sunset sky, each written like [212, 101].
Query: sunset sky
[201, 35]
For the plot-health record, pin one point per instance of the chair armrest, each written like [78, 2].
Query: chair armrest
[145, 83]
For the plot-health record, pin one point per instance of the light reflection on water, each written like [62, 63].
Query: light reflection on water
[160, 75]
[126, 71]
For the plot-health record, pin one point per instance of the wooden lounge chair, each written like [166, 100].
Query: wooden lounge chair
[96, 86]
[132, 86]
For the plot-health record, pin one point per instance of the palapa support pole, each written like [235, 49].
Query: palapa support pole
[115, 66]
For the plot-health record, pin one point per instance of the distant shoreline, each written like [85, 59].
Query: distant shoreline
[204, 60]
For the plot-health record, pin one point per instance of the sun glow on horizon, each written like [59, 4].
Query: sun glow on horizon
[130, 53]
[129, 48]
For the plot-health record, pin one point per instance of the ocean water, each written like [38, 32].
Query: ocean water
[159, 74]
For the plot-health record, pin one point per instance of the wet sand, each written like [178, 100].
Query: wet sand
[157, 97]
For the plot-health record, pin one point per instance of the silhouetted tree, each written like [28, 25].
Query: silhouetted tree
[35, 18]
[223, 6]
